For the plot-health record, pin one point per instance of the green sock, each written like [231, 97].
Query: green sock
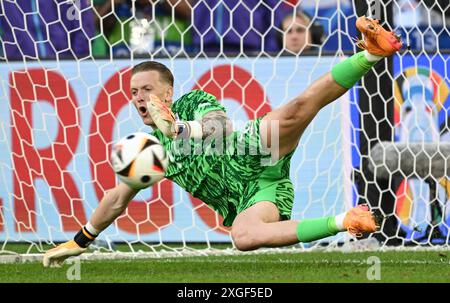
[351, 70]
[314, 229]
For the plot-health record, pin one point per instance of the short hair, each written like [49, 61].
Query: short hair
[298, 14]
[165, 73]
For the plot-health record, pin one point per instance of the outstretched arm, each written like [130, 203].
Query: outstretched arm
[111, 206]
[287, 123]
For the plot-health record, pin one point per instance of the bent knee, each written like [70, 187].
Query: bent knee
[245, 238]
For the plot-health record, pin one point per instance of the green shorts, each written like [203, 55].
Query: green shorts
[236, 181]
[274, 186]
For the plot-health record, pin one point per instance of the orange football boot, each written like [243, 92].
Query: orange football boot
[377, 40]
[359, 220]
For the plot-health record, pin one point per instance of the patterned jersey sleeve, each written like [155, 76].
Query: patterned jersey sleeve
[194, 105]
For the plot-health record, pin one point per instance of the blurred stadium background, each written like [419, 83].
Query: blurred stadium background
[64, 91]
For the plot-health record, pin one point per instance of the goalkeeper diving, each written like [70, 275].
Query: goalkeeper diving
[255, 199]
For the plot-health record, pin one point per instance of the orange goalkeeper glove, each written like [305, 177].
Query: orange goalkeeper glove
[162, 116]
[55, 257]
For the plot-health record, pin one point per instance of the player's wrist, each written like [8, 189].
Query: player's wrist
[189, 129]
[86, 235]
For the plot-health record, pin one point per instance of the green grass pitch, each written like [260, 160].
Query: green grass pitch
[431, 266]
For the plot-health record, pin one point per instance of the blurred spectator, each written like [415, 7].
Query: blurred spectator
[124, 29]
[46, 29]
[168, 31]
[100, 42]
[408, 13]
[300, 33]
[235, 26]
[423, 25]
[112, 21]
[337, 18]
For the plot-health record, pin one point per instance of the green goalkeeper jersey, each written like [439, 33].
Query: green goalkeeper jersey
[188, 163]
[229, 182]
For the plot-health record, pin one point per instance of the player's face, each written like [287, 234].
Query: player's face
[142, 85]
[296, 34]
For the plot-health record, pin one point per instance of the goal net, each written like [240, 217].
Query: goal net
[64, 91]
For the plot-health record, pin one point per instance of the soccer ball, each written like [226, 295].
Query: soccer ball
[139, 160]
